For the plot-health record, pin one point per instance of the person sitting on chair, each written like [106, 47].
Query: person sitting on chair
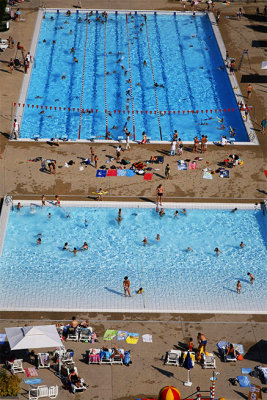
[230, 351]
[75, 379]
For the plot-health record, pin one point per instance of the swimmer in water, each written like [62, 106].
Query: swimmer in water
[75, 59]
[119, 217]
[85, 223]
[158, 237]
[19, 206]
[144, 63]
[85, 246]
[252, 278]
[217, 251]
[188, 249]
[161, 213]
[183, 211]
[234, 210]
[176, 213]
[74, 251]
[65, 247]
[145, 241]
[72, 50]
[242, 245]
[39, 241]
[63, 77]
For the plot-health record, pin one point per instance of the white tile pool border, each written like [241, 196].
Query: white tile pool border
[18, 114]
[115, 204]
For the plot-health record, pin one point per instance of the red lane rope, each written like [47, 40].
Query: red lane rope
[130, 73]
[155, 88]
[84, 58]
[179, 112]
[105, 72]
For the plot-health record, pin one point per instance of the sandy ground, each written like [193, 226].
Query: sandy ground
[20, 177]
[147, 373]
[23, 179]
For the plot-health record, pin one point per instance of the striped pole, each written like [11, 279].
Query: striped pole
[153, 79]
[130, 73]
[84, 59]
[105, 73]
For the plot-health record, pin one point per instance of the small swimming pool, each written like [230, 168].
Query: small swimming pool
[44, 277]
[180, 53]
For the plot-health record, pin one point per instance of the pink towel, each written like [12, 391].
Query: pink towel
[193, 165]
[148, 176]
[112, 172]
[31, 372]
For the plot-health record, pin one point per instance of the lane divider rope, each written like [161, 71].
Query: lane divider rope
[84, 60]
[130, 73]
[155, 88]
[105, 72]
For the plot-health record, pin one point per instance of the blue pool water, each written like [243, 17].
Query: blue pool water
[46, 277]
[185, 59]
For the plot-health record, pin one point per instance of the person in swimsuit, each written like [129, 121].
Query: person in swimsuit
[43, 200]
[176, 214]
[158, 237]
[119, 217]
[11, 64]
[190, 344]
[249, 90]
[19, 206]
[159, 194]
[74, 251]
[242, 245]
[202, 341]
[217, 251]
[85, 246]
[126, 285]
[161, 213]
[196, 143]
[39, 241]
[65, 247]
[252, 278]
[145, 241]
[238, 287]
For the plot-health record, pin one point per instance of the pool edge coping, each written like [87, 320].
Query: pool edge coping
[253, 139]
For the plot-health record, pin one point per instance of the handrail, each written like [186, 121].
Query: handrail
[84, 59]
[155, 88]
[130, 73]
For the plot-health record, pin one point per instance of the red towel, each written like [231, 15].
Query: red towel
[112, 172]
[265, 171]
[30, 372]
[148, 176]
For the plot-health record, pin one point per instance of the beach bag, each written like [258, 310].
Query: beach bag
[239, 357]
[233, 381]
[127, 358]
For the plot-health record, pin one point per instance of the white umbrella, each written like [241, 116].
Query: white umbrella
[33, 337]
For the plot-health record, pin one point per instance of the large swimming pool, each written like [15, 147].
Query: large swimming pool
[45, 277]
[179, 52]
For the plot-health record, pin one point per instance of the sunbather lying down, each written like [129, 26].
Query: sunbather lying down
[75, 379]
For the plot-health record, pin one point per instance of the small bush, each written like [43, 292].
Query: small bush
[9, 384]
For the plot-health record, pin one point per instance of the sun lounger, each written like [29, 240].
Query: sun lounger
[43, 360]
[222, 345]
[73, 334]
[15, 366]
[173, 357]
[85, 334]
[117, 358]
[38, 392]
[94, 356]
[208, 361]
[105, 356]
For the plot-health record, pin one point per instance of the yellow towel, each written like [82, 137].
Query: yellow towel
[132, 339]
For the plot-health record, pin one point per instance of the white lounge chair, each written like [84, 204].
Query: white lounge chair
[15, 366]
[173, 357]
[85, 334]
[106, 357]
[116, 358]
[73, 334]
[36, 392]
[94, 356]
[208, 361]
[75, 389]
[43, 360]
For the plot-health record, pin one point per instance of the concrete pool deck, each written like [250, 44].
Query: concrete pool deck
[147, 373]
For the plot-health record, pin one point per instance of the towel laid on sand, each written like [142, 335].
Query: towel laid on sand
[148, 176]
[101, 173]
[206, 174]
[132, 338]
[130, 172]
[246, 371]
[110, 334]
[121, 172]
[112, 172]
[122, 335]
[243, 381]
[31, 372]
[147, 338]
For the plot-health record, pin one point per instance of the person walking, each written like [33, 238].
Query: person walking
[249, 90]
[126, 286]
[167, 171]
[173, 148]
[159, 194]
[118, 153]
[95, 160]
[252, 278]
[15, 129]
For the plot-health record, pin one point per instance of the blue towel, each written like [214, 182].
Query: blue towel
[246, 370]
[130, 172]
[33, 381]
[224, 174]
[101, 173]
[182, 166]
[121, 172]
[243, 381]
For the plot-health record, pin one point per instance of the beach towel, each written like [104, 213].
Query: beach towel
[112, 172]
[207, 175]
[110, 334]
[224, 174]
[121, 172]
[33, 381]
[130, 172]
[148, 176]
[243, 381]
[246, 371]
[265, 172]
[182, 166]
[2, 338]
[147, 338]
[122, 335]
[193, 165]
[132, 338]
[31, 372]
[101, 173]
